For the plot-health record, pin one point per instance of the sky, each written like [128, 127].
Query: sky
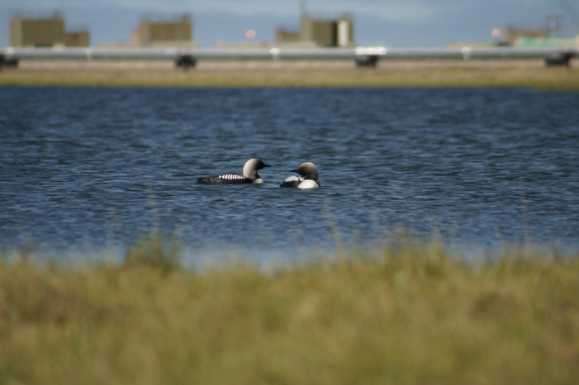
[395, 23]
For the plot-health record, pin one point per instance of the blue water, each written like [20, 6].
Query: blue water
[97, 167]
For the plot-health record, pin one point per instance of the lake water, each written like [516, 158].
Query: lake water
[97, 167]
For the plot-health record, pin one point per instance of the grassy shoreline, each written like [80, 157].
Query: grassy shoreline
[398, 76]
[412, 315]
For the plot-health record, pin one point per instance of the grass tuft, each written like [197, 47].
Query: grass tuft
[155, 251]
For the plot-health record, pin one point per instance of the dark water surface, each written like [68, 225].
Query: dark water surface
[100, 167]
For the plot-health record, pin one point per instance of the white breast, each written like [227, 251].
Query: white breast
[293, 178]
[308, 184]
[258, 181]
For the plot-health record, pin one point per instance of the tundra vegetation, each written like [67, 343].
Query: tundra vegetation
[410, 313]
[391, 75]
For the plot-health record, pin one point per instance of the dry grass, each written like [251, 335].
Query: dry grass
[390, 75]
[413, 315]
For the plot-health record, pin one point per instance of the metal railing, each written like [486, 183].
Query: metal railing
[369, 56]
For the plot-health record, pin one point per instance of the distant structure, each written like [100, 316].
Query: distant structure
[531, 38]
[548, 42]
[508, 36]
[287, 36]
[319, 32]
[45, 32]
[79, 38]
[164, 32]
[328, 32]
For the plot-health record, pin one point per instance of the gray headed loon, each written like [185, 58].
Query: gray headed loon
[307, 179]
[248, 176]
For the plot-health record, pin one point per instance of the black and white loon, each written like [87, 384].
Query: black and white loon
[248, 176]
[307, 179]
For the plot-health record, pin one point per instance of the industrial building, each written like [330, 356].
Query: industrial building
[79, 38]
[547, 42]
[165, 32]
[319, 32]
[45, 32]
[531, 38]
[328, 32]
[287, 36]
[509, 36]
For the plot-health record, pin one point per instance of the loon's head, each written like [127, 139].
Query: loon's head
[251, 166]
[308, 170]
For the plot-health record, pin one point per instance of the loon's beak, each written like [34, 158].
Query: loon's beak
[296, 171]
[266, 165]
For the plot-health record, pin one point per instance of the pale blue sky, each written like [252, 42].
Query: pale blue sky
[388, 22]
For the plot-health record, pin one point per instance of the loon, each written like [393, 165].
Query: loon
[249, 175]
[307, 179]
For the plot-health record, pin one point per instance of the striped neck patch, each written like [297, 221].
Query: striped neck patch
[232, 177]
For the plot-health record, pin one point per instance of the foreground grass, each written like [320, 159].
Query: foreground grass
[410, 316]
[439, 76]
